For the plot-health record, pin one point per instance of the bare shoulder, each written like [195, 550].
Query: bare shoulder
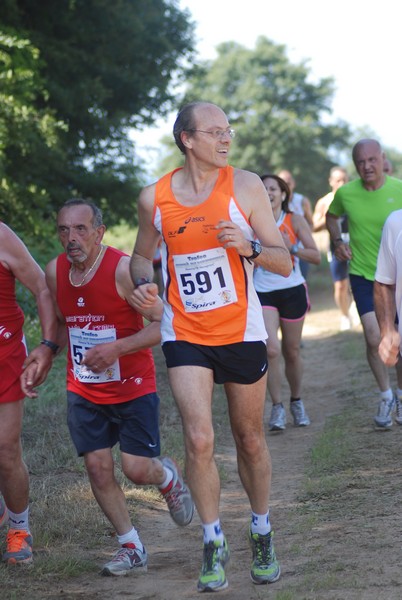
[249, 189]
[147, 196]
[246, 179]
[321, 204]
[123, 267]
[8, 237]
[297, 221]
[13, 251]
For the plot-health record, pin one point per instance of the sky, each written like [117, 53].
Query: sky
[356, 42]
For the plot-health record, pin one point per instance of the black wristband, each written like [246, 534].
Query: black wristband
[53, 347]
[141, 281]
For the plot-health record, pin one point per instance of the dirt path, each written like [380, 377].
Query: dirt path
[175, 554]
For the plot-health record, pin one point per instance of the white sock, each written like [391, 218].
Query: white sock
[167, 480]
[131, 537]
[387, 395]
[19, 520]
[212, 532]
[260, 523]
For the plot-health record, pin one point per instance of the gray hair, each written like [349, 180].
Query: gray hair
[185, 122]
[97, 218]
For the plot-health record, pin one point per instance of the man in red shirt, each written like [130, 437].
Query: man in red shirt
[111, 387]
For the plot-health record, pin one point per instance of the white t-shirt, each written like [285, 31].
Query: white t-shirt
[389, 262]
[296, 204]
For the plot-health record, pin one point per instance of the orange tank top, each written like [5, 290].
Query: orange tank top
[209, 294]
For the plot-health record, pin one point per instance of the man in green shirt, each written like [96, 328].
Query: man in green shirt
[367, 202]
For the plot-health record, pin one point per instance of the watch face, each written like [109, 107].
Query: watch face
[257, 248]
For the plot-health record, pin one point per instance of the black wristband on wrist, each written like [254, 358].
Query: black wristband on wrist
[141, 281]
[53, 347]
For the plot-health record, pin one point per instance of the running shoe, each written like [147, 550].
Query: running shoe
[3, 512]
[178, 497]
[212, 577]
[277, 420]
[383, 418]
[128, 559]
[264, 568]
[19, 547]
[300, 417]
[398, 411]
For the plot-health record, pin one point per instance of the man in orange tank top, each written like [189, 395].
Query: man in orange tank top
[216, 223]
[111, 386]
[16, 263]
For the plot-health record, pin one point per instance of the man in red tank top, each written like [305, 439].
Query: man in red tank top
[16, 263]
[111, 386]
[216, 223]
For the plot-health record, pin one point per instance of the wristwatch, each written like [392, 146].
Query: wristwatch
[141, 281]
[256, 248]
[294, 249]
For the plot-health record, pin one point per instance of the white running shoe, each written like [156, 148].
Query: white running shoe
[383, 418]
[277, 420]
[300, 417]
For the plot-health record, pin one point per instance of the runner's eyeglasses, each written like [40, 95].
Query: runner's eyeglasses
[218, 134]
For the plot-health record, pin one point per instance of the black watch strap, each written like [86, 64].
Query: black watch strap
[256, 248]
[141, 281]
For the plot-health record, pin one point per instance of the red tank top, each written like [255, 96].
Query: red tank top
[97, 308]
[11, 315]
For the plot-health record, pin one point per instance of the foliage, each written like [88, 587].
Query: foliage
[278, 113]
[80, 74]
[28, 135]
[391, 153]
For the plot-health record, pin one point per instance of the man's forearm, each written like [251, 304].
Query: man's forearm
[334, 229]
[384, 305]
[141, 269]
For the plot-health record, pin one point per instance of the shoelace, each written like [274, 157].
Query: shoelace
[172, 497]
[125, 552]
[263, 549]
[16, 540]
[211, 555]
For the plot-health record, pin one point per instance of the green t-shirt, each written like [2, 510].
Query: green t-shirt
[367, 212]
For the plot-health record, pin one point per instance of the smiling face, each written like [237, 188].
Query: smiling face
[275, 193]
[210, 137]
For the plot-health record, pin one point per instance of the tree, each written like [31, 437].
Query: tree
[101, 68]
[28, 134]
[276, 111]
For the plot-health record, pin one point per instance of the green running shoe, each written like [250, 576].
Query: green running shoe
[264, 568]
[212, 577]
